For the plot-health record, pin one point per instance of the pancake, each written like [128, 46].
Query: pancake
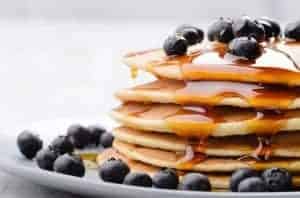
[199, 121]
[281, 145]
[156, 157]
[214, 93]
[218, 181]
[277, 65]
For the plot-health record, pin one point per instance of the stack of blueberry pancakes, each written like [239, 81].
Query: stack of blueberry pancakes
[219, 105]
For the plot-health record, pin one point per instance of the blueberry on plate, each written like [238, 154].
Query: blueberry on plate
[106, 140]
[292, 31]
[113, 170]
[138, 179]
[195, 182]
[95, 133]
[252, 184]
[175, 45]
[191, 33]
[245, 47]
[277, 180]
[45, 159]
[165, 178]
[62, 145]
[221, 31]
[276, 29]
[244, 26]
[29, 144]
[68, 164]
[240, 175]
[79, 136]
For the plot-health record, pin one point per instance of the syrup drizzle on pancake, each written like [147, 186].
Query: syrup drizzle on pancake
[214, 92]
[199, 121]
[264, 148]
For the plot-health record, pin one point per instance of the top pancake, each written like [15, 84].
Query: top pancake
[277, 65]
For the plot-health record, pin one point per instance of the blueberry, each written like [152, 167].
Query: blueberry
[29, 144]
[192, 34]
[221, 30]
[138, 179]
[62, 145]
[267, 27]
[95, 133]
[175, 45]
[277, 180]
[240, 175]
[252, 184]
[114, 171]
[79, 136]
[106, 140]
[245, 47]
[165, 178]
[184, 26]
[69, 165]
[244, 26]
[275, 26]
[292, 31]
[196, 182]
[46, 158]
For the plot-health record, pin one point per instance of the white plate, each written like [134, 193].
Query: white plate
[12, 162]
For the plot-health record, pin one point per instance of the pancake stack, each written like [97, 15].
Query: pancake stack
[210, 113]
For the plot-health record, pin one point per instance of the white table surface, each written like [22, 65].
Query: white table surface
[55, 69]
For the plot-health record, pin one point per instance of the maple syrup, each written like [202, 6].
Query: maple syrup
[214, 92]
[278, 64]
[188, 165]
[201, 121]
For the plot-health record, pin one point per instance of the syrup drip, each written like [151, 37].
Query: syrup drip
[264, 148]
[189, 155]
[201, 145]
[133, 72]
[188, 165]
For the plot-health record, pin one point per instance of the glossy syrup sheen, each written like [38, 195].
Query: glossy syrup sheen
[188, 165]
[278, 64]
[214, 92]
[255, 95]
[268, 67]
[200, 121]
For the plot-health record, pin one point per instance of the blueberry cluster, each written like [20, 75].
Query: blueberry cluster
[271, 180]
[242, 180]
[59, 155]
[243, 35]
[117, 171]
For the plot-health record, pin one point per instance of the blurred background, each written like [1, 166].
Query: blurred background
[62, 58]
